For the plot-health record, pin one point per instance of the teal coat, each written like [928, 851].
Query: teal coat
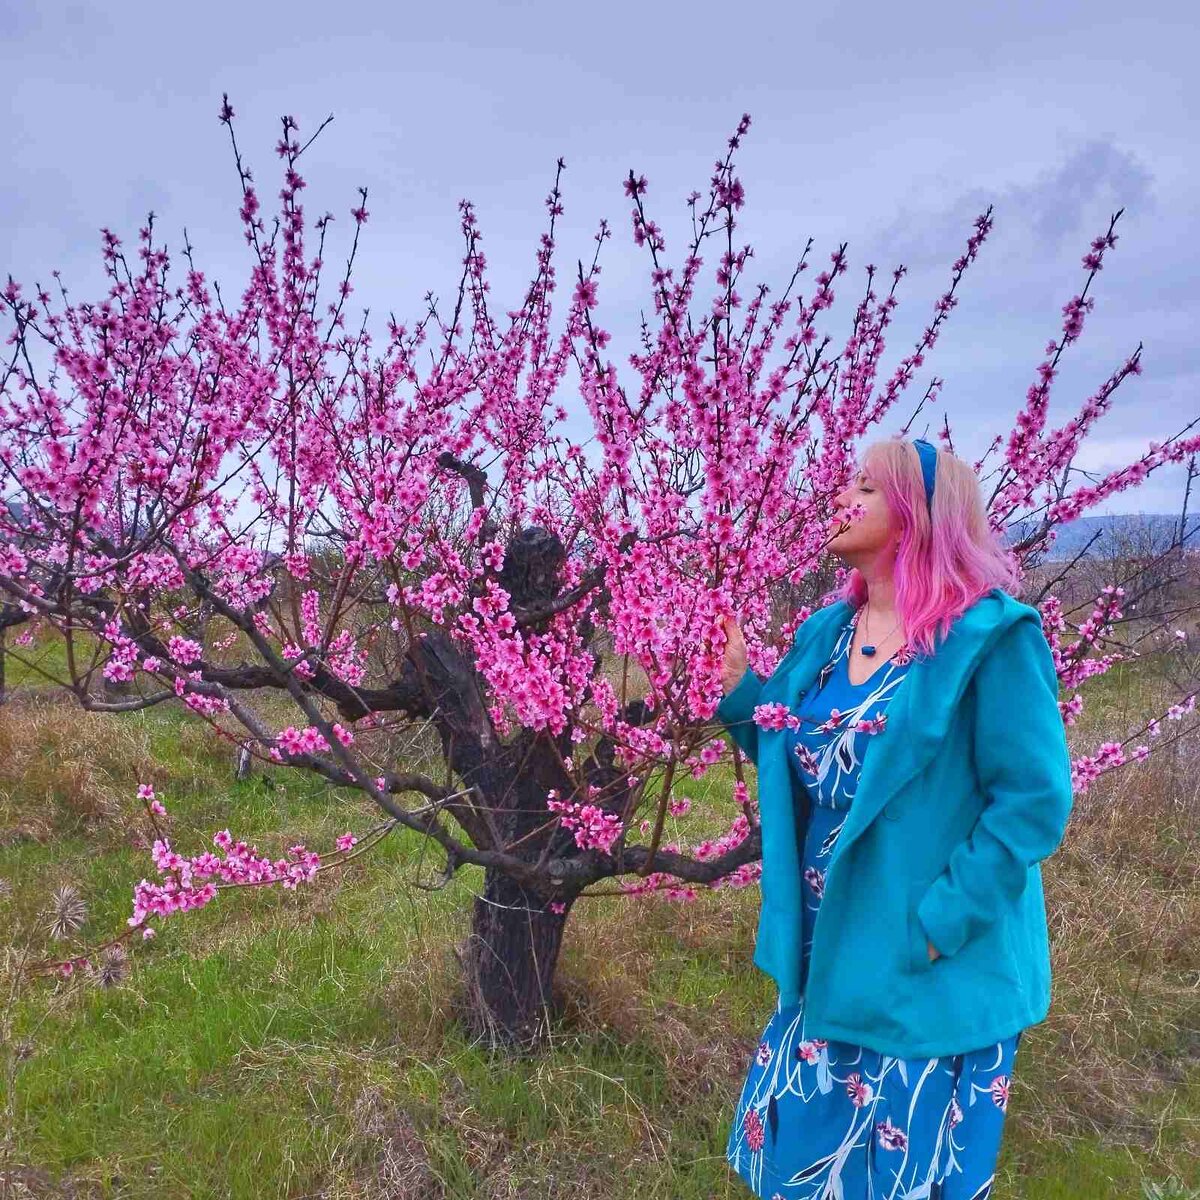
[961, 795]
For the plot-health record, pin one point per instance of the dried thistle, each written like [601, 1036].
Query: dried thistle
[67, 911]
[112, 967]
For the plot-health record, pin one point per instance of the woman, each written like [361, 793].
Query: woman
[913, 770]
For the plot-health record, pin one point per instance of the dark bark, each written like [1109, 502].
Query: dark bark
[508, 964]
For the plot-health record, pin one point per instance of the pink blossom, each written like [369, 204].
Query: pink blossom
[872, 725]
[241, 865]
[184, 650]
[352, 503]
[774, 716]
[594, 828]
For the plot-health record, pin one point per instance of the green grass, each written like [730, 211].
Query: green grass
[29, 666]
[299, 1044]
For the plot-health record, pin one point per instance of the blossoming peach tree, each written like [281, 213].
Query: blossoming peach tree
[173, 452]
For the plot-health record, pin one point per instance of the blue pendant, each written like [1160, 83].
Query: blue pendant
[867, 650]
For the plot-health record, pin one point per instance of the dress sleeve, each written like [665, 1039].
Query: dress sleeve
[1023, 764]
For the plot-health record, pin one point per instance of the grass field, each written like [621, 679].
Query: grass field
[297, 1044]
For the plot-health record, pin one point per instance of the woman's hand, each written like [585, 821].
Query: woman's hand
[931, 950]
[734, 666]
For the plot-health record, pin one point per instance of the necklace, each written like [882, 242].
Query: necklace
[900, 658]
[869, 648]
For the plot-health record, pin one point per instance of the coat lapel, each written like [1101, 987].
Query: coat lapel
[918, 714]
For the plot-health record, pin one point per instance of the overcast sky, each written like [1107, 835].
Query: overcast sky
[888, 126]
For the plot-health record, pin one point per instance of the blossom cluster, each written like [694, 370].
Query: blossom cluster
[310, 740]
[662, 883]
[425, 460]
[192, 882]
[594, 828]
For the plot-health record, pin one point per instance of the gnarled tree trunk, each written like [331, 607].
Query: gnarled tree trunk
[508, 964]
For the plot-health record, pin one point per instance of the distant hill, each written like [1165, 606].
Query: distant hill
[1143, 533]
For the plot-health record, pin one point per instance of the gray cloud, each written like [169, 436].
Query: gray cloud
[891, 127]
[1054, 212]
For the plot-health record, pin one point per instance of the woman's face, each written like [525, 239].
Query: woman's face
[864, 540]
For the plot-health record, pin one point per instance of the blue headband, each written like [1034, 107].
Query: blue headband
[928, 455]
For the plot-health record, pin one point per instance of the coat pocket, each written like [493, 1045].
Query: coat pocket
[918, 949]
[1010, 946]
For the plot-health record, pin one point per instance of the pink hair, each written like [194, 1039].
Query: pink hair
[944, 563]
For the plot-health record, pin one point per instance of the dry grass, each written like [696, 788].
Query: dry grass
[67, 771]
[1123, 895]
[660, 1003]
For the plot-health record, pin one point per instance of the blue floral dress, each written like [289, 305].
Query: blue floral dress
[826, 1120]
